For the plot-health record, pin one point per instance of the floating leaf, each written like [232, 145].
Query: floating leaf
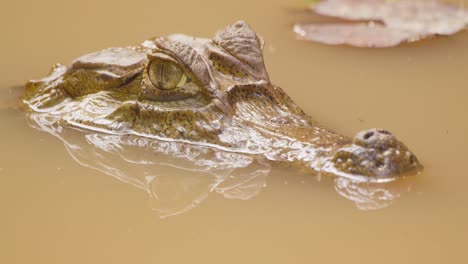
[358, 35]
[351, 9]
[426, 17]
[389, 22]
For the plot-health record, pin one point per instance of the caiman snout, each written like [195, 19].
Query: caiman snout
[375, 153]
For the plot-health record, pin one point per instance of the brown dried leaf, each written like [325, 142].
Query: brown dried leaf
[425, 17]
[351, 9]
[401, 21]
[359, 35]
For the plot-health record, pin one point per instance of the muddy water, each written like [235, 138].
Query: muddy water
[63, 201]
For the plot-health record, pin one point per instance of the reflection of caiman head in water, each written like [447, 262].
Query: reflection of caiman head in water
[179, 176]
[209, 92]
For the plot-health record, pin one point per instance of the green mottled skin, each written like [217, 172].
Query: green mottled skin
[213, 92]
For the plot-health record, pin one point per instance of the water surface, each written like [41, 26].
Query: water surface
[59, 208]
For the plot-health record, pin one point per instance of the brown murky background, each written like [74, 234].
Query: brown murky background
[57, 211]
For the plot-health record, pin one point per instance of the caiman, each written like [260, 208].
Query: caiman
[210, 92]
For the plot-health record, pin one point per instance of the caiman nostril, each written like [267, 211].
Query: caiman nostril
[374, 138]
[383, 131]
[368, 135]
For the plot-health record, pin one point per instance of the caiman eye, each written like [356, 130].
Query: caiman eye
[168, 79]
[165, 75]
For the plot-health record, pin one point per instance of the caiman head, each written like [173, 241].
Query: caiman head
[214, 92]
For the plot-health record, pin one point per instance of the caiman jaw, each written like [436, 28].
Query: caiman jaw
[374, 154]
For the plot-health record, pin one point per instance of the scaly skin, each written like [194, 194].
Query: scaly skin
[209, 92]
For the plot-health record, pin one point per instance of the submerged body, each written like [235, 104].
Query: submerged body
[212, 92]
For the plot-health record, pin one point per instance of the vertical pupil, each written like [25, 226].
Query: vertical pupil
[165, 74]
